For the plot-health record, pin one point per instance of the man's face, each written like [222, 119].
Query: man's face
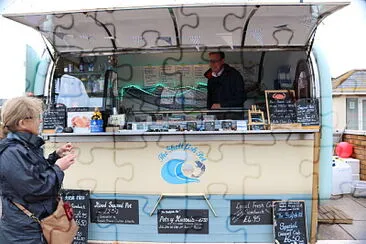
[216, 62]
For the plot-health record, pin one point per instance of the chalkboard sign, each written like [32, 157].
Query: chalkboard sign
[114, 211]
[281, 107]
[289, 225]
[307, 111]
[79, 200]
[54, 116]
[183, 221]
[251, 212]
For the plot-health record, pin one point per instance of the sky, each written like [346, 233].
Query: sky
[342, 37]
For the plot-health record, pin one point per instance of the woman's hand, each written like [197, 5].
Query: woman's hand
[65, 162]
[61, 151]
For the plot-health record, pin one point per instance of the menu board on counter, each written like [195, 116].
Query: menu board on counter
[307, 111]
[289, 225]
[183, 221]
[251, 212]
[54, 116]
[114, 211]
[151, 75]
[281, 107]
[79, 200]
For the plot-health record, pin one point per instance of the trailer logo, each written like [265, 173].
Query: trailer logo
[183, 164]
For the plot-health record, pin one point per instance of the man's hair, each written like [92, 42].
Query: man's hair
[222, 54]
[19, 108]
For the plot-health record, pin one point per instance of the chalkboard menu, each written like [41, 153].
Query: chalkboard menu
[79, 200]
[54, 116]
[183, 221]
[281, 108]
[251, 212]
[289, 222]
[114, 211]
[307, 111]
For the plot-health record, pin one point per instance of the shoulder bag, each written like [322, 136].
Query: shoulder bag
[58, 228]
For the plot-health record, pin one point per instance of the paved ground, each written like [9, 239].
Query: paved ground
[355, 208]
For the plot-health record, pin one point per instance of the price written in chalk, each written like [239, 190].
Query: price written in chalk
[79, 200]
[114, 211]
[289, 222]
[251, 212]
[183, 221]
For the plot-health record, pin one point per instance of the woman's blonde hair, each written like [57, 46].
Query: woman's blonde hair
[16, 109]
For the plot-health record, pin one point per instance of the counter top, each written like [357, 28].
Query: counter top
[128, 135]
[222, 132]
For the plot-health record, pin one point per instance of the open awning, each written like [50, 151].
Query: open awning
[180, 26]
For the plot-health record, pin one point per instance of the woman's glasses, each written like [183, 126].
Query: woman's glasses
[30, 117]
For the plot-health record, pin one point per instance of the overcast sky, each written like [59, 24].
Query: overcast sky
[342, 36]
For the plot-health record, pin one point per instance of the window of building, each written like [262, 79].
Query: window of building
[356, 113]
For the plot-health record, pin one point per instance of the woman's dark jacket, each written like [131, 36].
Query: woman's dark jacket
[227, 89]
[26, 177]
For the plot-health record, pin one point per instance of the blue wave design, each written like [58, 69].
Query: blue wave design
[173, 174]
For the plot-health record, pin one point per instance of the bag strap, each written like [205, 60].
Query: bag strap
[27, 212]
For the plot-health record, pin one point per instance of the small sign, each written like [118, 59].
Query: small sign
[307, 111]
[289, 225]
[54, 116]
[251, 212]
[281, 108]
[151, 75]
[256, 119]
[114, 211]
[199, 71]
[79, 200]
[183, 221]
[167, 75]
[187, 74]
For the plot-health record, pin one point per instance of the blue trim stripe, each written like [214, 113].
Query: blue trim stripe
[220, 229]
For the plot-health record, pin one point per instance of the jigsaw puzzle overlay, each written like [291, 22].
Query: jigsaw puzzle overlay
[191, 187]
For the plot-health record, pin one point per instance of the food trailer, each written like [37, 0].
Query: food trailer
[159, 166]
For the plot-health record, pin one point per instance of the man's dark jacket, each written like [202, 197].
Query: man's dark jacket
[28, 178]
[227, 89]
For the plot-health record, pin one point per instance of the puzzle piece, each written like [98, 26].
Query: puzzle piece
[130, 164]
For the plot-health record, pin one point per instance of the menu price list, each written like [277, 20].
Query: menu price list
[183, 221]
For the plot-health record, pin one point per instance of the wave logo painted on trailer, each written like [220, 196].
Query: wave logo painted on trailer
[183, 164]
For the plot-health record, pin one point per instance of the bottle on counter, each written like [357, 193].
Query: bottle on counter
[96, 122]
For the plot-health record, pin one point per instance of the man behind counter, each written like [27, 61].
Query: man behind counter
[225, 86]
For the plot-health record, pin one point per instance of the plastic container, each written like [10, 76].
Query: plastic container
[354, 163]
[342, 178]
[358, 188]
[96, 125]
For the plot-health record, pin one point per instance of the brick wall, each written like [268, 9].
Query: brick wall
[359, 151]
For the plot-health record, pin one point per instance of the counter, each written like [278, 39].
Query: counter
[193, 170]
[129, 135]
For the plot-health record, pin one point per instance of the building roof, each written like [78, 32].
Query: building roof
[351, 82]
